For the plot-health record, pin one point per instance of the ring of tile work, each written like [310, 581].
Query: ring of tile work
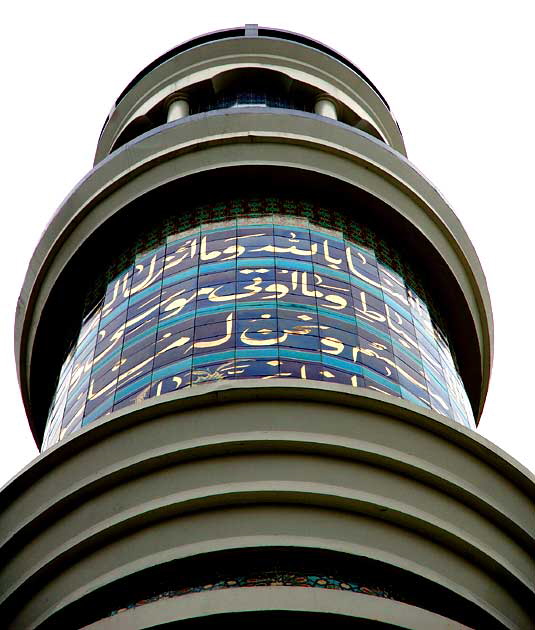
[260, 288]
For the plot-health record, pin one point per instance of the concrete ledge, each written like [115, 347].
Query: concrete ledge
[454, 511]
[273, 526]
[292, 492]
[296, 61]
[277, 598]
[504, 486]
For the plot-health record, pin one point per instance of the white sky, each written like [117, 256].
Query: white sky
[458, 76]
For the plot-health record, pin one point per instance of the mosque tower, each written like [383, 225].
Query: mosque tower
[253, 344]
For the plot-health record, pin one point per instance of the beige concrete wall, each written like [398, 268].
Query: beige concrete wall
[258, 465]
[332, 605]
[296, 61]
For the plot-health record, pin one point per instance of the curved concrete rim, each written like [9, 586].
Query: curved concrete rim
[76, 484]
[286, 493]
[279, 442]
[247, 542]
[225, 33]
[340, 149]
[298, 61]
[219, 393]
[165, 93]
[277, 598]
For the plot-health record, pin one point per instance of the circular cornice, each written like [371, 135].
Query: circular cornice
[250, 30]
[297, 61]
[424, 478]
[329, 605]
[228, 139]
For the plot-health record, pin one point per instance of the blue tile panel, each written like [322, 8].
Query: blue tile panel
[264, 297]
[270, 578]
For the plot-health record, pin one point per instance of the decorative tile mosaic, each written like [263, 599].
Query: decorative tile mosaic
[259, 289]
[274, 578]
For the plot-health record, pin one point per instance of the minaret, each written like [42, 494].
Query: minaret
[254, 344]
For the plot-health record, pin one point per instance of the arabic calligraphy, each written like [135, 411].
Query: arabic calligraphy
[261, 302]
